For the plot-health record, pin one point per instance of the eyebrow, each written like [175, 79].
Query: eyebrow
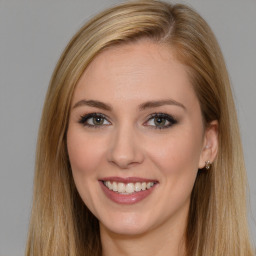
[93, 103]
[159, 103]
[143, 106]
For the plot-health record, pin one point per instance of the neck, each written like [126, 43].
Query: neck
[162, 241]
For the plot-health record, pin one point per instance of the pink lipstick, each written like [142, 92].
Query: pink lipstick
[128, 190]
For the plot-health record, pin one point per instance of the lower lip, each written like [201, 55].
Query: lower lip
[125, 198]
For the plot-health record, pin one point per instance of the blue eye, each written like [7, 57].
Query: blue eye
[94, 120]
[161, 121]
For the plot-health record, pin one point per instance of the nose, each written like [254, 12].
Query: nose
[125, 149]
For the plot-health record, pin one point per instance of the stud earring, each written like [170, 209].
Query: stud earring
[208, 165]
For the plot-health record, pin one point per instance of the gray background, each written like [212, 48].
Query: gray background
[32, 37]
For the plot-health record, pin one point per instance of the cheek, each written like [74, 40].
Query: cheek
[177, 158]
[84, 153]
[176, 154]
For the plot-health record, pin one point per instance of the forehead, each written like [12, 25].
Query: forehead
[135, 72]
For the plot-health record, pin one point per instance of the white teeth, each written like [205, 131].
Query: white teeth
[128, 188]
[137, 186]
[149, 185]
[109, 185]
[120, 187]
[114, 188]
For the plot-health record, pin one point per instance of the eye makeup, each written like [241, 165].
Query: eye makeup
[94, 120]
[154, 121]
[160, 121]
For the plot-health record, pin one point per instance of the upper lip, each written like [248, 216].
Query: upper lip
[127, 179]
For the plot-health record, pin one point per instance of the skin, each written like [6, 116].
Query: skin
[129, 144]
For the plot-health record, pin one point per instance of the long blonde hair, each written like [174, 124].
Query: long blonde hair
[217, 224]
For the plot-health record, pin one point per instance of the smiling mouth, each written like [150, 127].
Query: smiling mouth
[128, 188]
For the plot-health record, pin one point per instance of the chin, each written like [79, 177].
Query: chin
[126, 224]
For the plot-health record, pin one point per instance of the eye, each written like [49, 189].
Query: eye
[94, 120]
[160, 121]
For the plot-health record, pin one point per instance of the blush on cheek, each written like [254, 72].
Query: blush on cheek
[82, 161]
[82, 154]
[176, 156]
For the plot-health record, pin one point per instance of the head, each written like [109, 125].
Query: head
[216, 196]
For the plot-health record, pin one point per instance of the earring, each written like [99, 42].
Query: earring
[208, 165]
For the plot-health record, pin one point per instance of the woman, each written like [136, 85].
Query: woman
[139, 150]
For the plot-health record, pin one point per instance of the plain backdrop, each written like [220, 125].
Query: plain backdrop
[32, 36]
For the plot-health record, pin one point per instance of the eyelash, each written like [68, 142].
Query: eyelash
[166, 117]
[84, 120]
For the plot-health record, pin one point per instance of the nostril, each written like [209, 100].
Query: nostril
[124, 149]
[123, 164]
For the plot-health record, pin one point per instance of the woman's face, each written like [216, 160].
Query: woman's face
[136, 138]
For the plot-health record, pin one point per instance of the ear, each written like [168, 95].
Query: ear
[210, 144]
